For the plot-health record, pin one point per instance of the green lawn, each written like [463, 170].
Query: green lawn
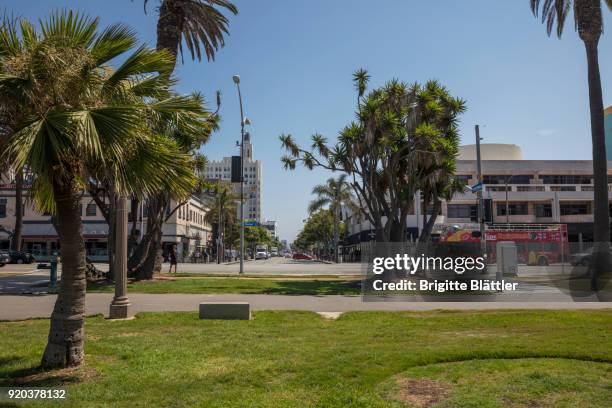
[244, 285]
[299, 359]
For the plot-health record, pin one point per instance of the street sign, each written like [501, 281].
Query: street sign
[476, 187]
[250, 223]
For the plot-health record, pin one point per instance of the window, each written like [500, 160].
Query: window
[529, 188]
[574, 209]
[430, 210]
[510, 179]
[2, 207]
[543, 210]
[562, 188]
[515, 209]
[567, 179]
[499, 188]
[463, 177]
[460, 210]
[90, 211]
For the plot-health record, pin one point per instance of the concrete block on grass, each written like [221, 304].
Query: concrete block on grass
[225, 310]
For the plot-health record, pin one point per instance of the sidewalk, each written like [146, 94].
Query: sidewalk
[25, 307]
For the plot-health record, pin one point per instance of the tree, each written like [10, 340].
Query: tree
[402, 132]
[333, 195]
[222, 212]
[254, 235]
[199, 24]
[318, 234]
[589, 24]
[85, 116]
[588, 21]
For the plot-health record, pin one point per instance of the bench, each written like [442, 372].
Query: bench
[225, 310]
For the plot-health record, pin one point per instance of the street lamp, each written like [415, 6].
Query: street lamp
[120, 305]
[243, 121]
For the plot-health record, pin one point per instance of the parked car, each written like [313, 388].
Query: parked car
[584, 257]
[4, 258]
[301, 256]
[21, 257]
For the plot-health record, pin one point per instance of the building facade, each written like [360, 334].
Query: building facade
[222, 170]
[530, 191]
[186, 227]
[271, 226]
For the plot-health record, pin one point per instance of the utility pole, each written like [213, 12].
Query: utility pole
[483, 242]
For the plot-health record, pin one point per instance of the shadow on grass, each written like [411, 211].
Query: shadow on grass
[314, 288]
[296, 287]
[36, 376]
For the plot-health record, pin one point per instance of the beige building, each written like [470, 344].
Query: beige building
[185, 228]
[537, 192]
[222, 170]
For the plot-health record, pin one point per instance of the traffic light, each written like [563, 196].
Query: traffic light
[236, 162]
[488, 210]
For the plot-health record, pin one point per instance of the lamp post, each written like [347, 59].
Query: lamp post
[120, 305]
[243, 121]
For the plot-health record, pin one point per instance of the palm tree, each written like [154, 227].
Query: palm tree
[201, 25]
[332, 195]
[84, 116]
[589, 24]
[198, 22]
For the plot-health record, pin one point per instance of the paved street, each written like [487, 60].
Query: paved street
[272, 266]
[23, 293]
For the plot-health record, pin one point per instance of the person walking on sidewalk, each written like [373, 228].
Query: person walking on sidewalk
[172, 255]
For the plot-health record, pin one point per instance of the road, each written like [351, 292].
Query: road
[272, 266]
[23, 293]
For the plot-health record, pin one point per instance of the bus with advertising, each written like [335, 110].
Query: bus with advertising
[537, 244]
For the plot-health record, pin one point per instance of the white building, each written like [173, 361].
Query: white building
[222, 170]
[271, 226]
[535, 191]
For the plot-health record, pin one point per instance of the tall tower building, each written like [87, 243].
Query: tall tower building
[222, 169]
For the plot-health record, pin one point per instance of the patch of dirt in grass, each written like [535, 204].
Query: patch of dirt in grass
[129, 334]
[422, 393]
[55, 378]
[529, 404]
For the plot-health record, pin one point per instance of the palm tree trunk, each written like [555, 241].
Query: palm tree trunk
[133, 238]
[66, 335]
[601, 221]
[336, 232]
[111, 243]
[169, 26]
[17, 230]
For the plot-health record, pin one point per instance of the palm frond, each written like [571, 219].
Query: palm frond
[205, 26]
[112, 42]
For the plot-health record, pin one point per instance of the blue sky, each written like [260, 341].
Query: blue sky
[296, 57]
